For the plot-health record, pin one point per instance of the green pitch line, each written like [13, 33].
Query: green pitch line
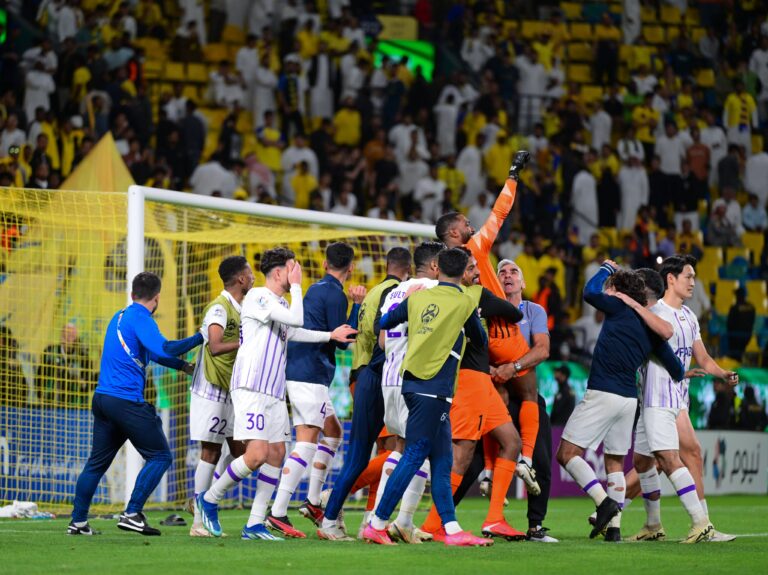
[28, 547]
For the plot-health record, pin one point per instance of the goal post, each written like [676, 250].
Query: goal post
[140, 196]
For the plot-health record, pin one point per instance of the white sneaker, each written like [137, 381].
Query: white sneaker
[199, 531]
[333, 533]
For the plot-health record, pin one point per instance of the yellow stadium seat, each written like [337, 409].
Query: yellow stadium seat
[530, 28]
[648, 15]
[579, 73]
[754, 241]
[592, 93]
[733, 253]
[197, 73]
[571, 10]
[215, 116]
[580, 52]
[654, 34]
[174, 72]
[673, 33]
[724, 296]
[511, 25]
[211, 143]
[713, 254]
[757, 142]
[692, 17]
[697, 34]
[670, 14]
[215, 52]
[756, 294]
[244, 123]
[191, 93]
[581, 31]
[152, 69]
[705, 78]
[233, 35]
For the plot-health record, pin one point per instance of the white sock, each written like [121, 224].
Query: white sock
[704, 506]
[378, 523]
[326, 450]
[617, 488]
[293, 471]
[650, 485]
[412, 496]
[583, 474]
[366, 517]
[686, 491]
[386, 470]
[235, 473]
[265, 487]
[203, 478]
[452, 527]
[328, 523]
[224, 461]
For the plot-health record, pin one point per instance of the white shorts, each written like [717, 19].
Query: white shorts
[657, 430]
[310, 403]
[210, 421]
[602, 417]
[260, 416]
[395, 410]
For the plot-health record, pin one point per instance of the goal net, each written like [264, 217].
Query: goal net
[66, 260]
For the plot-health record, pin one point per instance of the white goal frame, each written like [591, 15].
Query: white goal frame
[139, 195]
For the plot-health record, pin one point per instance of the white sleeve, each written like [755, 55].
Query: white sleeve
[293, 316]
[308, 335]
[217, 315]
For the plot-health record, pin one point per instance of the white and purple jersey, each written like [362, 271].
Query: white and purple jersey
[396, 339]
[658, 389]
[266, 324]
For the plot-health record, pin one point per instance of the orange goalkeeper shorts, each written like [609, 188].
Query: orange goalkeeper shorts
[477, 407]
[506, 344]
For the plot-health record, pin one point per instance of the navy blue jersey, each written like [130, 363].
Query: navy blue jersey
[625, 342]
[325, 309]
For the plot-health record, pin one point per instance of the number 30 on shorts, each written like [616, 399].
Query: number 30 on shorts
[255, 420]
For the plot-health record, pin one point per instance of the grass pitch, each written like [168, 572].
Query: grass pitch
[39, 546]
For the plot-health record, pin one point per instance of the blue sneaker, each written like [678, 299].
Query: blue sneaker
[210, 514]
[259, 531]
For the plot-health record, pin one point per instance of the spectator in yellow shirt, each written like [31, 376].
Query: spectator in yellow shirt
[270, 143]
[347, 123]
[740, 117]
[303, 184]
[308, 40]
[453, 178]
[498, 159]
[645, 118]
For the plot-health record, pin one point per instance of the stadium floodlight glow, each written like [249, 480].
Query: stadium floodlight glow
[135, 247]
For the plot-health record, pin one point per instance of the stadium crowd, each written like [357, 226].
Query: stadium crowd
[645, 156]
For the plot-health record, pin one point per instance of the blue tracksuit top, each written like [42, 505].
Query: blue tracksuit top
[325, 309]
[123, 369]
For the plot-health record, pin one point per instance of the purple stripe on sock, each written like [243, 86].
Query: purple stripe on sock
[420, 473]
[298, 459]
[232, 474]
[590, 485]
[267, 479]
[685, 490]
[215, 476]
[328, 450]
[392, 461]
[651, 494]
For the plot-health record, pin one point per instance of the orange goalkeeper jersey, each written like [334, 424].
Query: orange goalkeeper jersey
[506, 345]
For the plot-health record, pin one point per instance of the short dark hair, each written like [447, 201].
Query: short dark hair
[674, 265]
[339, 255]
[275, 258]
[452, 262]
[146, 285]
[399, 258]
[444, 223]
[653, 281]
[231, 267]
[630, 283]
[425, 252]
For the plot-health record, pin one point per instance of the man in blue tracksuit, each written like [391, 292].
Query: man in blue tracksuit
[606, 414]
[133, 339]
